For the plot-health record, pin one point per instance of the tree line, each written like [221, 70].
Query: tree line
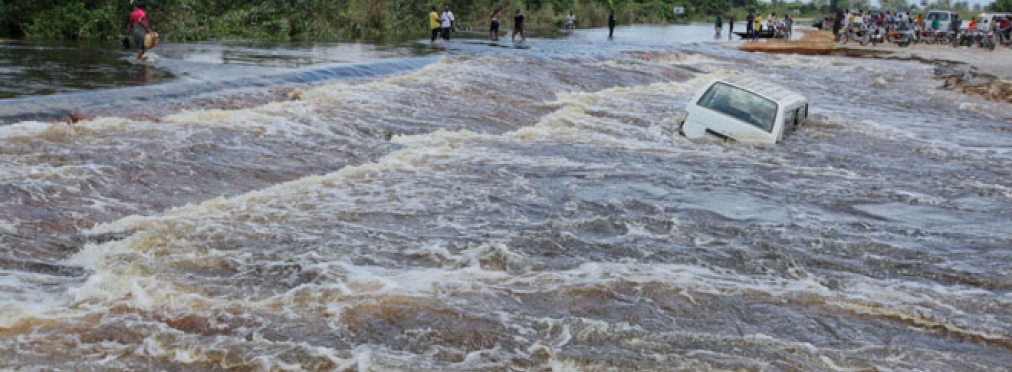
[317, 19]
[351, 19]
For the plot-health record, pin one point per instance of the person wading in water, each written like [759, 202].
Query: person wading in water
[449, 21]
[750, 25]
[730, 26]
[434, 24]
[139, 28]
[518, 27]
[718, 25]
[493, 30]
[611, 24]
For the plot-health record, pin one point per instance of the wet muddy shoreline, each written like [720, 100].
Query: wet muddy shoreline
[960, 72]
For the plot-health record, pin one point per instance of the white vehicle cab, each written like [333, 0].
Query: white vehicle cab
[944, 17]
[745, 109]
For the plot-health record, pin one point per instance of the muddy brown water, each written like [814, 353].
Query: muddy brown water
[498, 208]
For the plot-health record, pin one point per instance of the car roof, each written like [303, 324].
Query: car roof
[765, 88]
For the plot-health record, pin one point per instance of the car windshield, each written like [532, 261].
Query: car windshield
[740, 104]
[942, 16]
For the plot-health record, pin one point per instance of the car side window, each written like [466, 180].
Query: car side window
[789, 119]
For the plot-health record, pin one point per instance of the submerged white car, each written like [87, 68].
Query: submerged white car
[745, 109]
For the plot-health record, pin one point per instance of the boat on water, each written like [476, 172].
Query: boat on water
[764, 34]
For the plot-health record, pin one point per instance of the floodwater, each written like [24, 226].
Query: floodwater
[486, 206]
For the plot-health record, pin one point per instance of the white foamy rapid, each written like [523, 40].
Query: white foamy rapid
[516, 212]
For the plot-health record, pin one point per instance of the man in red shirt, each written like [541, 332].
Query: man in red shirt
[139, 28]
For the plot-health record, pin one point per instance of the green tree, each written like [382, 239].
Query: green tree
[325, 19]
[1001, 6]
[894, 5]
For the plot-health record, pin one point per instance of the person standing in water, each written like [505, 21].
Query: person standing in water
[448, 23]
[434, 24]
[493, 30]
[611, 24]
[570, 21]
[518, 27]
[139, 28]
[788, 25]
[750, 24]
[730, 26]
[718, 25]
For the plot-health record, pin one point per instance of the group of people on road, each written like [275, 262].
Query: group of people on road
[847, 21]
[846, 18]
[754, 25]
[442, 24]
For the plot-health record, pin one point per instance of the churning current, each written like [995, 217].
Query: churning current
[524, 209]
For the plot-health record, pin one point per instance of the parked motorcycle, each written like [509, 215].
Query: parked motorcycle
[925, 36]
[1004, 38]
[900, 38]
[876, 36]
[989, 41]
[964, 38]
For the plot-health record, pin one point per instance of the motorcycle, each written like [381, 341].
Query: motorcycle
[1004, 38]
[943, 37]
[859, 35]
[876, 36]
[964, 38]
[988, 41]
[847, 35]
[925, 36]
[900, 38]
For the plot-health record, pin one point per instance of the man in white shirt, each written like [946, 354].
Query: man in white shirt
[447, 18]
[570, 21]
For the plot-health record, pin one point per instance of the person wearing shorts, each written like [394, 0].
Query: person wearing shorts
[139, 28]
[518, 27]
[493, 30]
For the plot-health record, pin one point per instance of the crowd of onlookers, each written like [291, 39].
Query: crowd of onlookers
[933, 26]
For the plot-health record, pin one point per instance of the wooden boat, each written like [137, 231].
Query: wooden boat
[764, 34]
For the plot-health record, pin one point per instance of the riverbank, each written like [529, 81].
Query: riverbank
[807, 42]
[970, 71]
[994, 63]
